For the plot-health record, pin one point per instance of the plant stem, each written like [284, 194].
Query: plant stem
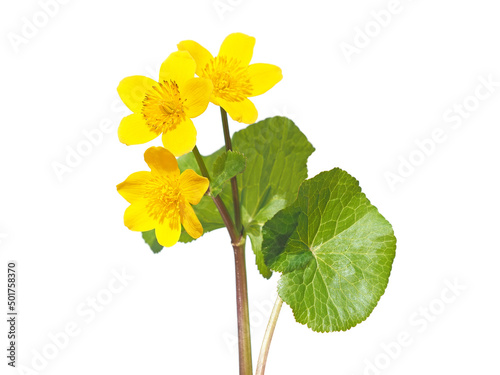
[225, 127]
[201, 163]
[238, 243]
[226, 218]
[244, 342]
[234, 181]
[266, 342]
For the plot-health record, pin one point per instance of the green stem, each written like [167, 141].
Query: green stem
[225, 128]
[234, 181]
[219, 203]
[201, 163]
[238, 243]
[266, 342]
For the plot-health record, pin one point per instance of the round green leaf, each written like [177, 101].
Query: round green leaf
[334, 250]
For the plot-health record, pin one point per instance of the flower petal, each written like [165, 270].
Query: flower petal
[132, 91]
[136, 218]
[196, 92]
[161, 161]
[132, 189]
[243, 111]
[214, 99]
[263, 77]
[193, 186]
[199, 53]
[168, 233]
[190, 221]
[238, 46]
[182, 139]
[178, 67]
[133, 130]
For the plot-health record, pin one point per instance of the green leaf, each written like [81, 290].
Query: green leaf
[276, 152]
[334, 250]
[255, 234]
[226, 166]
[150, 238]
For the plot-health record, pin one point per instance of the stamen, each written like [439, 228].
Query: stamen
[163, 107]
[231, 81]
[163, 196]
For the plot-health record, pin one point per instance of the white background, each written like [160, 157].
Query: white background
[177, 315]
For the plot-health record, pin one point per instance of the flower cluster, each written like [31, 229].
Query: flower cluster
[162, 199]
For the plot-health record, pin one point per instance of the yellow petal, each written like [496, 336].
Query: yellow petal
[161, 161]
[178, 67]
[263, 77]
[168, 233]
[238, 46]
[214, 99]
[193, 186]
[132, 91]
[243, 111]
[132, 189]
[182, 139]
[133, 130]
[200, 54]
[136, 218]
[196, 93]
[190, 221]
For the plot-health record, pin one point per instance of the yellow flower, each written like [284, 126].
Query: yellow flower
[233, 78]
[166, 106]
[162, 199]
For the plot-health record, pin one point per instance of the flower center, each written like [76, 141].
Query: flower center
[163, 107]
[163, 195]
[231, 81]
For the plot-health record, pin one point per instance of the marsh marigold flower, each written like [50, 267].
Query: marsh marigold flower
[165, 107]
[162, 199]
[234, 80]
